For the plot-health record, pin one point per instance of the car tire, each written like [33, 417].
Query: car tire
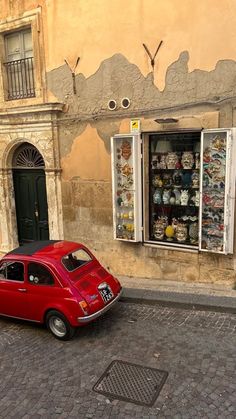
[59, 326]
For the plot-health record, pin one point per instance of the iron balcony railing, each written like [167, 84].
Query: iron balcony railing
[20, 78]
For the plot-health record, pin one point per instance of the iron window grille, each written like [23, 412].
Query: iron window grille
[20, 78]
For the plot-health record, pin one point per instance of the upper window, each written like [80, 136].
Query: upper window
[39, 274]
[19, 65]
[12, 270]
[76, 259]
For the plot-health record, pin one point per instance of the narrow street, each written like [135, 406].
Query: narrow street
[41, 377]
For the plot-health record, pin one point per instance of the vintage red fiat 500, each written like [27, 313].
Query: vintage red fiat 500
[59, 283]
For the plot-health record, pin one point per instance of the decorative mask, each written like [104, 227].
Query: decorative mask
[181, 232]
[187, 160]
[166, 196]
[195, 179]
[184, 197]
[158, 229]
[157, 197]
[126, 149]
[171, 160]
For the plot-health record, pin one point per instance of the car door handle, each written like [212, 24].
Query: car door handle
[22, 289]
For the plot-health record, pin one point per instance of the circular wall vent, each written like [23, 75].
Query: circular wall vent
[112, 105]
[125, 103]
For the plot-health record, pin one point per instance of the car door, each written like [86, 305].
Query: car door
[44, 291]
[13, 289]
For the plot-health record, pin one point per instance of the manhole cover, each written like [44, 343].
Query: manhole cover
[131, 382]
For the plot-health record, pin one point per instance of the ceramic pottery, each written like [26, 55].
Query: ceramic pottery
[197, 198]
[181, 232]
[177, 179]
[157, 197]
[162, 163]
[195, 180]
[197, 161]
[158, 229]
[184, 197]
[167, 180]
[126, 149]
[169, 232]
[157, 181]
[166, 196]
[171, 160]
[187, 160]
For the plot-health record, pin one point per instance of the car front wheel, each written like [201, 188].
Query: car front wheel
[59, 326]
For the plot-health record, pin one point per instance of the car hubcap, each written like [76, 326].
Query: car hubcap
[57, 326]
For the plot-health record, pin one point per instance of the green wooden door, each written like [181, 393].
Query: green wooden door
[31, 205]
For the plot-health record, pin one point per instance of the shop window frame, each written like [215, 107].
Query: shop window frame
[145, 193]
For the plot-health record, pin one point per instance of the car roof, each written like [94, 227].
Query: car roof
[53, 249]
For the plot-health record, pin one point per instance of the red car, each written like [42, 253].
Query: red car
[59, 283]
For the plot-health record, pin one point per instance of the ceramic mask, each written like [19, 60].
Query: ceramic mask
[171, 160]
[195, 180]
[181, 232]
[197, 160]
[162, 164]
[187, 160]
[167, 180]
[197, 198]
[177, 178]
[184, 197]
[126, 149]
[157, 197]
[158, 229]
[157, 181]
[166, 196]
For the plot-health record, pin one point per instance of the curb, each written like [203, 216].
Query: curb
[224, 304]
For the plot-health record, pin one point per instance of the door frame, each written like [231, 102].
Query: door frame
[8, 223]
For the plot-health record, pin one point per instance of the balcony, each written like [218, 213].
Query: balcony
[20, 79]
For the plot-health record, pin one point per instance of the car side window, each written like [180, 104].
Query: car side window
[13, 271]
[39, 274]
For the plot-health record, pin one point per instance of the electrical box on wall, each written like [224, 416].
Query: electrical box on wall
[126, 187]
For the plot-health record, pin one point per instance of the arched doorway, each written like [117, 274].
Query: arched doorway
[30, 194]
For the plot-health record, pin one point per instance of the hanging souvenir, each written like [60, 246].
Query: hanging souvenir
[126, 149]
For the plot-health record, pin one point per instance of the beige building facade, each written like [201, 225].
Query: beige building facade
[74, 74]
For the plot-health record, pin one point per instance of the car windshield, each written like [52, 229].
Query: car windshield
[76, 259]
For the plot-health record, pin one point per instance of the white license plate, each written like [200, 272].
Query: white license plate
[106, 294]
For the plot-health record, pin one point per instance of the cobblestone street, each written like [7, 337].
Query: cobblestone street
[45, 378]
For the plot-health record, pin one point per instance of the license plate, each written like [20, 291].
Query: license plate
[106, 294]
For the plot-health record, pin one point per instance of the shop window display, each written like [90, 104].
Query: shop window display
[174, 174]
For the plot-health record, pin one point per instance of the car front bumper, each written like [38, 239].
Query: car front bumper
[87, 319]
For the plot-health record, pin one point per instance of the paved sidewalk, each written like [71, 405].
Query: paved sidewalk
[205, 296]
